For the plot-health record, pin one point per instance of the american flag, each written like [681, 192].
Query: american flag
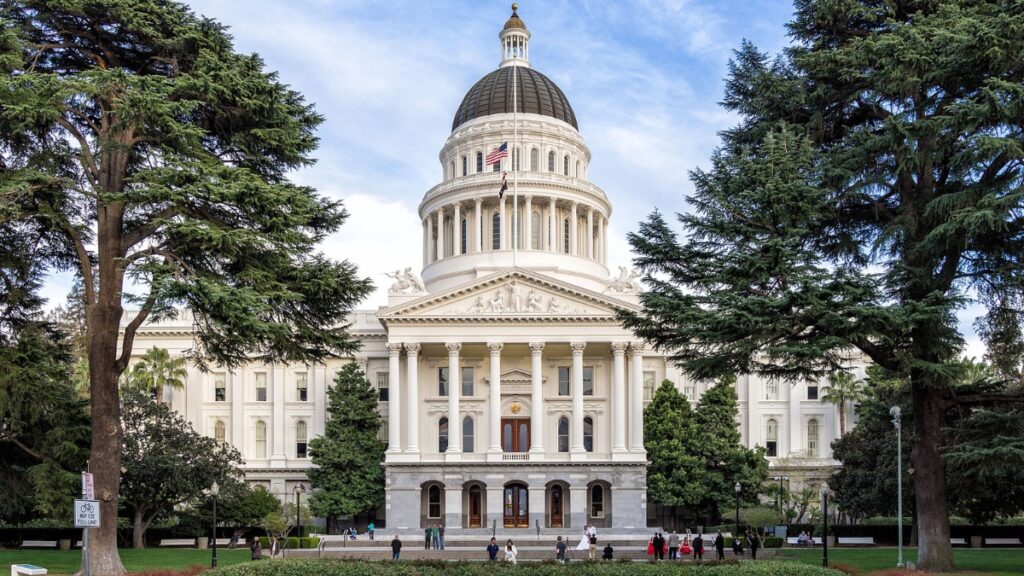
[504, 185]
[498, 153]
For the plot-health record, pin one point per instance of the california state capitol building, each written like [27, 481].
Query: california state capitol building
[511, 395]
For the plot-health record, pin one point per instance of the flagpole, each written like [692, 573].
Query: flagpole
[515, 158]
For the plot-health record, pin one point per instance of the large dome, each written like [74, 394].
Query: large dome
[537, 94]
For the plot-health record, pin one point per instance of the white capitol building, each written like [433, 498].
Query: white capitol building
[544, 424]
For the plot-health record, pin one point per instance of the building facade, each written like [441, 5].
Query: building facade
[512, 395]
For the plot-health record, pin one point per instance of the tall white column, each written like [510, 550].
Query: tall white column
[431, 254]
[277, 382]
[503, 228]
[454, 392]
[577, 397]
[457, 230]
[440, 233]
[618, 396]
[236, 381]
[412, 425]
[394, 398]
[319, 399]
[636, 397]
[494, 402]
[573, 229]
[602, 231]
[552, 227]
[528, 221]
[478, 238]
[537, 410]
[590, 233]
[796, 426]
[426, 244]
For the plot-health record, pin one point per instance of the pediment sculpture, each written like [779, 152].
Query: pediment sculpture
[626, 282]
[406, 282]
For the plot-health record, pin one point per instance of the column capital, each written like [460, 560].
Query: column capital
[619, 348]
[577, 348]
[394, 349]
[453, 347]
[636, 347]
[412, 348]
[478, 201]
[495, 347]
[536, 347]
[527, 197]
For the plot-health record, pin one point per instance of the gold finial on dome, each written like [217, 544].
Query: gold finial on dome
[514, 21]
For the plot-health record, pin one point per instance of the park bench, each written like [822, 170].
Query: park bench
[958, 541]
[1002, 541]
[39, 544]
[856, 540]
[793, 540]
[223, 542]
[167, 542]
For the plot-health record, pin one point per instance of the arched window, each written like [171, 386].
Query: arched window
[465, 165]
[479, 162]
[577, 168]
[442, 435]
[535, 224]
[434, 502]
[563, 434]
[300, 439]
[219, 431]
[772, 438]
[812, 437]
[463, 237]
[451, 173]
[597, 501]
[496, 231]
[588, 434]
[534, 160]
[565, 235]
[261, 439]
[565, 165]
[551, 161]
[467, 434]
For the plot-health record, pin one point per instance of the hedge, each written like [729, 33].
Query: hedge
[291, 543]
[333, 567]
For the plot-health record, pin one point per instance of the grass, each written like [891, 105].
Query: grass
[68, 561]
[989, 561]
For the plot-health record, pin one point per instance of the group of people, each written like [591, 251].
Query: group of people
[677, 548]
[256, 549]
[434, 537]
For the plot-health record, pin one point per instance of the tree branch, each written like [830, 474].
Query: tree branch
[88, 160]
[147, 229]
[130, 329]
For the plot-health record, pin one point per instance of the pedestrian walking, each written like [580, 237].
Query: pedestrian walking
[673, 546]
[592, 542]
[720, 546]
[754, 544]
[698, 547]
[492, 549]
[560, 550]
[396, 548]
[370, 529]
[275, 548]
[256, 550]
[510, 552]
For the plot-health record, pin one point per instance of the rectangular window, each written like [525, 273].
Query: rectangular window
[688, 391]
[563, 380]
[220, 390]
[772, 390]
[588, 380]
[301, 387]
[649, 386]
[442, 381]
[467, 381]
[812, 391]
[382, 386]
[497, 166]
[772, 449]
[465, 167]
[261, 386]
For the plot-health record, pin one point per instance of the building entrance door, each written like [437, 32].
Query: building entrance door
[557, 505]
[517, 506]
[475, 501]
[515, 434]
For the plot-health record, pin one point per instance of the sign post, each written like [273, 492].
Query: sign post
[87, 515]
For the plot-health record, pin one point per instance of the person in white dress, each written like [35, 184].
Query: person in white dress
[510, 552]
[585, 539]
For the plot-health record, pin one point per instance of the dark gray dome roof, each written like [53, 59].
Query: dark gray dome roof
[537, 94]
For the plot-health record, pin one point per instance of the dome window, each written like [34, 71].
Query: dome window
[534, 160]
[465, 165]
[479, 162]
[565, 165]
[551, 161]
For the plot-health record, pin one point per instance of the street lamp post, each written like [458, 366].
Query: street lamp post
[214, 491]
[738, 489]
[298, 513]
[895, 413]
[781, 513]
[824, 533]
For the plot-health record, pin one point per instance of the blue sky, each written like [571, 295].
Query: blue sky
[644, 78]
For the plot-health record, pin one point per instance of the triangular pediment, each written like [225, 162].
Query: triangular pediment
[510, 295]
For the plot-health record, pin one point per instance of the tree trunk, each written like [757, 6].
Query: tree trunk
[159, 393]
[842, 419]
[138, 531]
[934, 552]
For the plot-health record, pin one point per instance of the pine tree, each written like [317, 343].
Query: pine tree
[348, 478]
[143, 151]
[907, 200]
[674, 475]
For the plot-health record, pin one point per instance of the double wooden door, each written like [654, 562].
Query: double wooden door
[515, 434]
[517, 506]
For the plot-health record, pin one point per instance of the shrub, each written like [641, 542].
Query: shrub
[333, 567]
[772, 542]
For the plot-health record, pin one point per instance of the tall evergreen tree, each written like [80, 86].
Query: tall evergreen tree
[152, 157]
[348, 478]
[908, 198]
[675, 473]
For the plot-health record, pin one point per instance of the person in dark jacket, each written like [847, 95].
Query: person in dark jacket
[256, 549]
[754, 544]
[659, 546]
[720, 546]
[492, 550]
[396, 548]
[609, 552]
[698, 547]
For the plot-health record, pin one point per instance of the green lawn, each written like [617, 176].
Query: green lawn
[67, 561]
[1002, 562]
